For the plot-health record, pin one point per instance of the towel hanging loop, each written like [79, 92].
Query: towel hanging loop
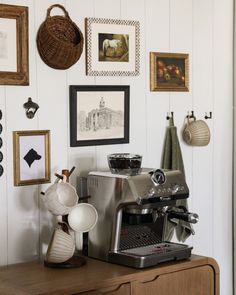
[170, 115]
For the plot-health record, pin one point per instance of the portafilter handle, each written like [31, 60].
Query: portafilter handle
[186, 216]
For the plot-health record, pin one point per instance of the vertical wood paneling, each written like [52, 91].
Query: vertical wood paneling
[222, 140]
[52, 99]
[193, 27]
[106, 9]
[203, 102]
[137, 84]
[157, 103]
[83, 158]
[181, 102]
[23, 214]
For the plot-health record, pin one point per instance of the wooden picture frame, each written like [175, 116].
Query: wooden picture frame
[14, 64]
[99, 114]
[169, 71]
[112, 47]
[31, 157]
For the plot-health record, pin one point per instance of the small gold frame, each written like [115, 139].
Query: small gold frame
[169, 71]
[20, 146]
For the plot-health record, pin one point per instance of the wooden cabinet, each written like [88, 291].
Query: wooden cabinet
[196, 276]
[195, 281]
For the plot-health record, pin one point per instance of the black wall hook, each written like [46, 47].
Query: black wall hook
[208, 115]
[190, 116]
[169, 115]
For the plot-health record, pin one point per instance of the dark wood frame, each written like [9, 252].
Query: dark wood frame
[20, 13]
[16, 157]
[160, 86]
[73, 114]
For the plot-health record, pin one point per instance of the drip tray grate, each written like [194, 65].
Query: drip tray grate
[159, 248]
[137, 236]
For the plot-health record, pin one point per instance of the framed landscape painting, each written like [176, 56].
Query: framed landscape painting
[112, 47]
[169, 71]
[99, 115]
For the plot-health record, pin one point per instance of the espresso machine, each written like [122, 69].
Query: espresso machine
[133, 211]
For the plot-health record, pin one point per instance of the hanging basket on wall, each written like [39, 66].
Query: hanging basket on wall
[59, 40]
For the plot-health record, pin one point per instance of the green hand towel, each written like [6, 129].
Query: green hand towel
[172, 159]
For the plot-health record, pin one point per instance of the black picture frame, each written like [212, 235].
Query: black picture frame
[99, 114]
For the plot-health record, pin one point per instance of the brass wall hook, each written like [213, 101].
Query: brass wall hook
[31, 108]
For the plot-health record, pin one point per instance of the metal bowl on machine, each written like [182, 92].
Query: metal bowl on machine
[125, 163]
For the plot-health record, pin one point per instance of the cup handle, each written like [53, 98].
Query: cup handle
[79, 240]
[64, 226]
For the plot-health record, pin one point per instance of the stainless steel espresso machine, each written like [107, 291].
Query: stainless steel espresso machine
[132, 216]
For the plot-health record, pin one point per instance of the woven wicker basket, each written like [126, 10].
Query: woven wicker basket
[59, 40]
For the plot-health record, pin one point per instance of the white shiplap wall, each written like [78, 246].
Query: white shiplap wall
[202, 28]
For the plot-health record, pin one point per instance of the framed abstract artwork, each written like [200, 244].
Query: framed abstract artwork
[169, 71]
[14, 65]
[31, 151]
[99, 115]
[112, 47]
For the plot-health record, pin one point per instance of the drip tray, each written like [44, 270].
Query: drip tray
[151, 255]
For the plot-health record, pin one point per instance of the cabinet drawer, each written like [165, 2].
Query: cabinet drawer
[123, 289]
[194, 281]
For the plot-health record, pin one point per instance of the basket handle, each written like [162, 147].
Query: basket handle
[59, 6]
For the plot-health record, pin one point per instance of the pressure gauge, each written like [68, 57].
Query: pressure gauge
[158, 177]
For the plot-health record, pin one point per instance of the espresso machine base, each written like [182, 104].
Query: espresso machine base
[133, 216]
[150, 255]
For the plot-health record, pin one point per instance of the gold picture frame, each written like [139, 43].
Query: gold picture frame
[14, 64]
[31, 155]
[169, 71]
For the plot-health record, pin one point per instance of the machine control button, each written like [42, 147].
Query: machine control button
[151, 193]
[175, 188]
[163, 190]
[159, 191]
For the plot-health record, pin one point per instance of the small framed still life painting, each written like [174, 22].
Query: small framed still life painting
[169, 71]
[31, 149]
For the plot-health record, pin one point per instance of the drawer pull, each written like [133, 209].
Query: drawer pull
[110, 289]
[149, 280]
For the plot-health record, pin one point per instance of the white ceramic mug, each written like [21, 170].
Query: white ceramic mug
[196, 132]
[60, 198]
[61, 247]
[82, 218]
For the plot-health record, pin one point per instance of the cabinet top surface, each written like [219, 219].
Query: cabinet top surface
[35, 279]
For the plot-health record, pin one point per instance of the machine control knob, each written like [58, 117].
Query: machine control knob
[158, 177]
